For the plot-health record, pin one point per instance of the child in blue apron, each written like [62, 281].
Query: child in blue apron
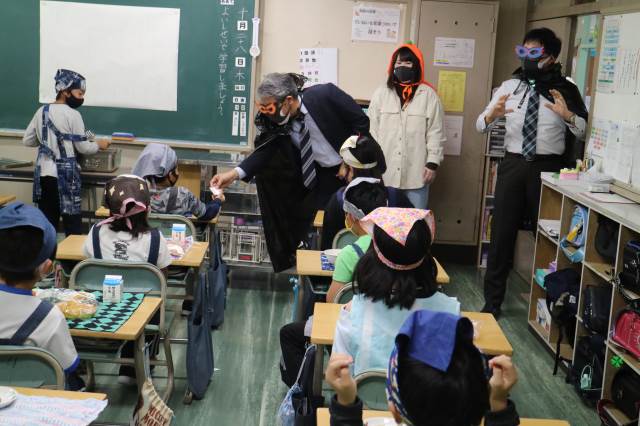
[58, 131]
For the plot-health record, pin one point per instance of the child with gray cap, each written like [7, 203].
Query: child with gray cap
[158, 165]
[27, 250]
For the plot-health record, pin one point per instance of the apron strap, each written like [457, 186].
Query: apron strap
[95, 238]
[32, 322]
[154, 248]
[61, 137]
[358, 250]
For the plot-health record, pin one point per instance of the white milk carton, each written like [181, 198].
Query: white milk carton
[112, 289]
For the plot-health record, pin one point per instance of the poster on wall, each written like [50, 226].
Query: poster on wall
[453, 132]
[319, 64]
[379, 23]
[454, 52]
[451, 89]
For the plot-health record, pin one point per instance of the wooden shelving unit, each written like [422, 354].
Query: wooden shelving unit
[557, 202]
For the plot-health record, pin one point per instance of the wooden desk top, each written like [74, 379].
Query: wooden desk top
[323, 418]
[308, 263]
[5, 199]
[59, 394]
[71, 249]
[132, 328]
[104, 212]
[319, 219]
[491, 340]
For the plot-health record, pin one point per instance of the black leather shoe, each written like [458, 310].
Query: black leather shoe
[494, 310]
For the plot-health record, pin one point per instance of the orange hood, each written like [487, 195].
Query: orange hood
[414, 49]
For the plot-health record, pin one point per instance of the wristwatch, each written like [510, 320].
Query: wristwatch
[572, 120]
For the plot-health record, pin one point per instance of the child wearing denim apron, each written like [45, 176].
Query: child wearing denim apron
[58, 132]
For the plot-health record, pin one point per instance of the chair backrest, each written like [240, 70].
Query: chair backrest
[30, 367]
[164, 222]
[344, 295]
[137, 277]
[343, 238]
[372, 389]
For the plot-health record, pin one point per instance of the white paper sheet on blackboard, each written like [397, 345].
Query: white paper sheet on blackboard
[128, 54]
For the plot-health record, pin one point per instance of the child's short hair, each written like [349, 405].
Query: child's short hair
[457, 397]
[367, 196]
[27, 239]
[377, 281]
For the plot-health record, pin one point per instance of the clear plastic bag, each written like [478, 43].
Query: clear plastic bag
[73, 304]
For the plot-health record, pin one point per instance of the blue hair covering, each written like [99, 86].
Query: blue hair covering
[428, 337]
[155, 160]
[68, 80]
[20, 214]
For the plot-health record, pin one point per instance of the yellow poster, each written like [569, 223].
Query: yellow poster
[451, 86]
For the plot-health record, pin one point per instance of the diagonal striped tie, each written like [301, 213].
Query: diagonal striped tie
[307, 158]
[530, 128]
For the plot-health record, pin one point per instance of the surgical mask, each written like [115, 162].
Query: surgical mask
[533, 68]
[74, 102]
[404, 74]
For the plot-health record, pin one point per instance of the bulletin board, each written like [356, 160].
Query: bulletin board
[214, 74]
[614, 137]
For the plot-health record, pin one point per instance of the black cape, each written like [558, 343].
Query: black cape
[286, 205]
[553, 79]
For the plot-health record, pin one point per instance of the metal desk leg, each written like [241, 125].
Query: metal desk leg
[301, 290]
[318, 374]
[138, 357]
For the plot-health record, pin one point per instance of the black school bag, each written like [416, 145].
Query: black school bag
[587, 368]
[606, 240]
[596, 307]
[562, 301]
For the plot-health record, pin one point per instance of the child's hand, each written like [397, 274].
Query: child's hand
[339, 378]
[217, 193]
[103, 143]
[218, 197]
[503, 379]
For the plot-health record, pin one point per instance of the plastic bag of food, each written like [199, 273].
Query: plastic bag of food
[73, 304]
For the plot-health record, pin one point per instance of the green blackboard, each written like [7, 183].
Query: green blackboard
[208, 79]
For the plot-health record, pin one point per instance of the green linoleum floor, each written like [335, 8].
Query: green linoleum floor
[246, 387]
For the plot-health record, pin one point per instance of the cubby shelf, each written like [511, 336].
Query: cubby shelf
[557, 202]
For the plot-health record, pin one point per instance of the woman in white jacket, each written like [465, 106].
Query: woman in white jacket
[407, 121]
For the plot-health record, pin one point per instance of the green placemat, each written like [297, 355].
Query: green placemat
[110, 316]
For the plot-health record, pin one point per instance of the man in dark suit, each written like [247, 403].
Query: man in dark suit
[297, 158]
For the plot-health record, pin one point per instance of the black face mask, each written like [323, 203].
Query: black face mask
[531, 68]
[404, 74]
[74, 102]
[278, 118]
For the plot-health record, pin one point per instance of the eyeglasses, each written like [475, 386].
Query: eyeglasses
[267, 109]
[531, 53]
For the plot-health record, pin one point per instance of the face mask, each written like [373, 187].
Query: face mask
[74, 102]
[279, 118]
[533, 68]
[404, 74]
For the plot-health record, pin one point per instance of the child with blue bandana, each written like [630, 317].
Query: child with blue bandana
[58, 132]
[158, 165]
[435, 376]
[27, 250]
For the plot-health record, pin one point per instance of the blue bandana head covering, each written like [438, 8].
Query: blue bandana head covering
[20, 214]
[428, 337]
[69, 80]
[155, 160]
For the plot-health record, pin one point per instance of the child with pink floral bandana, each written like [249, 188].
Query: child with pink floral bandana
[395, 277]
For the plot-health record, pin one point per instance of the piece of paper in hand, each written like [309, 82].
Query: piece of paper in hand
[215, 191]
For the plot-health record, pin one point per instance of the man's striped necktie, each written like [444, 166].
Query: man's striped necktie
[530, 127]
[306, 155]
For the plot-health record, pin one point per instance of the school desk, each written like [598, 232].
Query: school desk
[71, 249]
[50, 393]
[308, 263]
[490, 339]
[323, 418]
[104, 212]
[5, 199]
[319, 219]
[132, 330]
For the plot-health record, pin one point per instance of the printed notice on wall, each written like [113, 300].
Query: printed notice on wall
[453, 131]
[319, 65]
[375, 23]
[451, 88]
[609, 55]
[454, 52]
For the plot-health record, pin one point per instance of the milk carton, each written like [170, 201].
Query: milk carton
[112, 289]
[179, 233]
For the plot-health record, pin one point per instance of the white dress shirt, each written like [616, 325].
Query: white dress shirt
[551, 127]
[323, 153]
